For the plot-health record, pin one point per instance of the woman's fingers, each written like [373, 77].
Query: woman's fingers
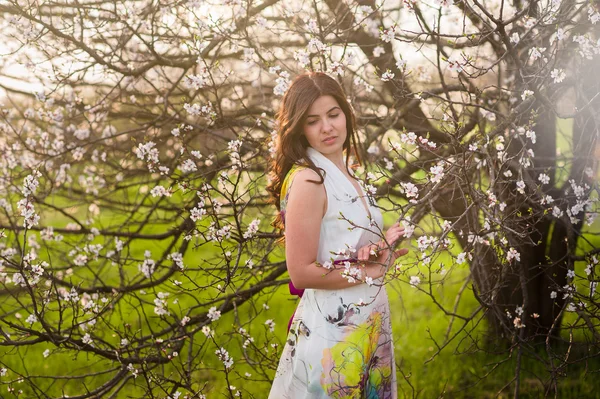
[394, 237]
[394, 233]
[380, 251]
[400, 252]
[366, 252]
[363, 254]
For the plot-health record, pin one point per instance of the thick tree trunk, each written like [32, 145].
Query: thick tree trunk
[546, 254]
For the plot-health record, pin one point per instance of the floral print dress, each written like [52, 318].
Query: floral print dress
[340, 341]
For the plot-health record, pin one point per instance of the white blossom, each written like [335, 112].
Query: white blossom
[409, 228]
[147, 267]
[521, 186]
[518, 323]
[223, 355]
[177, 259]
[409, 138]
[87, 339]
[513, 255]
[536, 53]
[270, 324]
[282, 83]
[401, 64]
[316, 46]
[556, 212]
[410, 190]
[161, 304]
[544, 178]
[351, 273]
[312, 26]
[526, 94]
[188, 166]
[593, 15]
[206, 330]
[558, 75]
[214, 314]
[519, 310]
[252, 229]
[198, 211]
[387, 76]
[515, 38]
[437, 173]
[133, 370]
[31, 183]
[414, 281]
[28, 212]
[197, 81]
[82, 134]
[387, 35]
[160, 191]
[147, 151]
[80, 260]
[560, 35]
[461, 257]
[303, 58]
[335, 68]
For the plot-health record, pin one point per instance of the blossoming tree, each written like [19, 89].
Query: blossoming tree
[135, 135]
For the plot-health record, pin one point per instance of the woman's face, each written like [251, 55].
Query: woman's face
[325, 126]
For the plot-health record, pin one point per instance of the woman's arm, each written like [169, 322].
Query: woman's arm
[306, 206]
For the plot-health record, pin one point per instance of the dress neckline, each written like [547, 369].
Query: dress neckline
[362, 197]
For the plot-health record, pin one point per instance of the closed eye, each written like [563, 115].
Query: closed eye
[313, 121]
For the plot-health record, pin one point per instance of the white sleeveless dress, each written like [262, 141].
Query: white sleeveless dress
[340, 341]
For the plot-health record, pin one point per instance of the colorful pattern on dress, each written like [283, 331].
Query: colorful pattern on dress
[340, 343]
[285, 188]
[284, 194]
[360, 365]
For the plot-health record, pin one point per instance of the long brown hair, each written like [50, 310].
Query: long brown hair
[291, 142]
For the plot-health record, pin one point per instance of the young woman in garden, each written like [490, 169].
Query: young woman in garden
[339, 343]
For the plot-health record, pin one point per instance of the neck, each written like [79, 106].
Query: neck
[337, 159]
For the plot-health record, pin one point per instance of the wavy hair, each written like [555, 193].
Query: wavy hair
[291, 142]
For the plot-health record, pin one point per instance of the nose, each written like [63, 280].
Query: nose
[327, 125]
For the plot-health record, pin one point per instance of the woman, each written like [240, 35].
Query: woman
[339, 343]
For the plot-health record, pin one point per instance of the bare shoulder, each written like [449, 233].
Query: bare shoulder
[307, 174]
[305, 189]
[305, 182]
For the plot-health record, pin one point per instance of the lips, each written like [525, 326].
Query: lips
[329, 140]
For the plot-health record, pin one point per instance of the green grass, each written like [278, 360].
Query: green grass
[414, 318]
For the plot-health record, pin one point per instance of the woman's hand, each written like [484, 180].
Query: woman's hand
[378, 256]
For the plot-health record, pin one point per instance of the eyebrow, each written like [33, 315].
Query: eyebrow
[327, 111]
